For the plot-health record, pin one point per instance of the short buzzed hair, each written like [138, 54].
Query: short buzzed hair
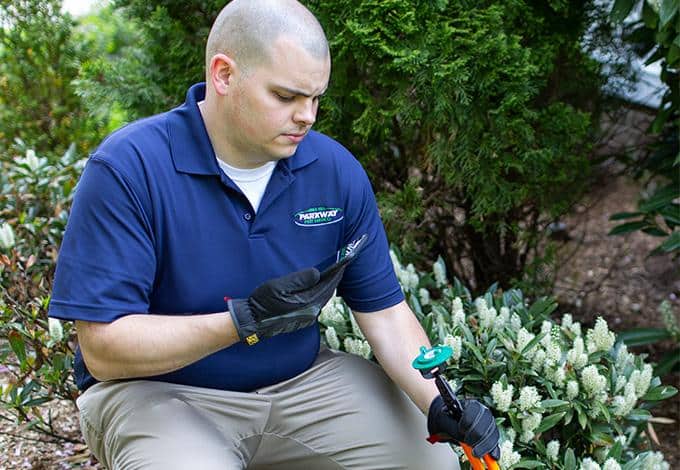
[246, 29]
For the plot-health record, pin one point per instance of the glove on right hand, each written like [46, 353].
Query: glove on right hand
[284, 304]
[476, 428]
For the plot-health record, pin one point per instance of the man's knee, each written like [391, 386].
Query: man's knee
[385, 415]
[168, 433]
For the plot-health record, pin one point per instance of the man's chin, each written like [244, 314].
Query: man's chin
[284, 152]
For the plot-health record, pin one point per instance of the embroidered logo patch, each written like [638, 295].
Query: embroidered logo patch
[315, 216]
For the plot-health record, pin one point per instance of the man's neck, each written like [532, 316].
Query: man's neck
[222, 149]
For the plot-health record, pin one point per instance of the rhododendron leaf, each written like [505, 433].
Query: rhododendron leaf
[639, 414]
[553, 403]
[660, 393]
[569, 460]
[550, 421]
[528, 464]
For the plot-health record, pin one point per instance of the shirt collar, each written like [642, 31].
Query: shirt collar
[190, 145]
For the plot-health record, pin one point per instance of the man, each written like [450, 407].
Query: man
[187, 265]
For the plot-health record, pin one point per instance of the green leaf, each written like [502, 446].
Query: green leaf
[441, 4]
[668, 362]
[667, 10]
[582, 419]
[476, 352]
[671, 214]
[625, 215]
[37, 401]
[491, 291]
[596, 356]
[542, 308]
[26, 391]
[468, 335]
[601, 438]
[649, 16]
[660, 393]
[491, 347]
[415, 306]
[513, 297]
[662, 197]
[427, 325]
[655, 231]
[550, 421]
[532, 343]
[639, 414]
[616, 427]
[604, 411]
[621, 10]
[673, 56]
[515, 422]
[641, 336]
[507, 344]
[488, 295]
[615, 451]
[553, 403]
[660, 120]
[569, 459]
[529, 464]
[472, 378]
[672, 243]
[627, 227]
[551, 390]
[635, 464]
[439, 309]
[16, 342]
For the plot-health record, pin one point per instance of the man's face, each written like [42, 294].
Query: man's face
[274, 105]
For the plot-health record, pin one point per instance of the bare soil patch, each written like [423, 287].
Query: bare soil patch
[613, 277]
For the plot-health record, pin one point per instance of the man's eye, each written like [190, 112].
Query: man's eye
[284, 98]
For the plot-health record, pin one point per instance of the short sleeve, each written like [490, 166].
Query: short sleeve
[106, 265]
[370, 283]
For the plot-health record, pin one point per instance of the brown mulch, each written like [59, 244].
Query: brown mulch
[26, 449]
[599, 275]
[613, 277]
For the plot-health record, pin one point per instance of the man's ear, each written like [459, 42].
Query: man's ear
[222, 70]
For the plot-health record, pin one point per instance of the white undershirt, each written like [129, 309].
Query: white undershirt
[252, 181]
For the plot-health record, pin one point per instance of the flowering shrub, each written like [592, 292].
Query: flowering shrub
[563, 397]
[36, 353]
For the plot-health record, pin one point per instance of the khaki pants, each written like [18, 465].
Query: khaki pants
[342, 413]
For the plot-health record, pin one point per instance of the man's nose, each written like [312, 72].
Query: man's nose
[305, 112]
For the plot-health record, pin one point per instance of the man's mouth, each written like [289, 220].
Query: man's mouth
[295, 137]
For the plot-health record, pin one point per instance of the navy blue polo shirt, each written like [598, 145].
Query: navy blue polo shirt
[157, 227]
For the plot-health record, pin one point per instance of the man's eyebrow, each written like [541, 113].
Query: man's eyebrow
[294, 91]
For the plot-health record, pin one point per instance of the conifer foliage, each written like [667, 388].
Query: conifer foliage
[473, 118]
[39, 57]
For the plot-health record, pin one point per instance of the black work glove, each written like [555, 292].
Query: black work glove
[476, 428]
[284, 304]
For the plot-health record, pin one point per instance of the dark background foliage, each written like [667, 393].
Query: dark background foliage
[38, 61]
[474, 119]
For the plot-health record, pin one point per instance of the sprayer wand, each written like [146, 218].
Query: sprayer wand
[430, 362]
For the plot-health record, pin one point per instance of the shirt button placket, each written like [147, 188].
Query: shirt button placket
[248, 216]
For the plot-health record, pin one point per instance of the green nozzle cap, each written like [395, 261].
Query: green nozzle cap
[431, 358]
